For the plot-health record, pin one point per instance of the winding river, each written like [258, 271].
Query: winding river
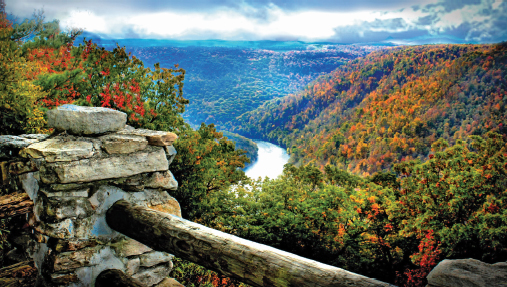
[270, 162]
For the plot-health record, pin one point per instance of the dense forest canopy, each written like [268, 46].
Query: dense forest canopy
[388, 107]
[224, 82]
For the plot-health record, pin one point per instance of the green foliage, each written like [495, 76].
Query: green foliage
[460, 194]
[395, 226]
[246, 144]
[206, 164]
[193, 275]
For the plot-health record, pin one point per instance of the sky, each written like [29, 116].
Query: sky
[338, 21]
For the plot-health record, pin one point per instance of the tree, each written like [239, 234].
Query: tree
[455, 203]
[18, 96]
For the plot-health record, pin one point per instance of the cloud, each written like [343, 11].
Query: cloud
[307, 20]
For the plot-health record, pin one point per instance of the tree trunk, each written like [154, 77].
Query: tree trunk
[14, 204]
[250, 262]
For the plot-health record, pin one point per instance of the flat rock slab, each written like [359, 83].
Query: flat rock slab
[86, 170]
[468, 273]
[117, 143]
[11, 145]
[56, 149]
[155, 138]
[79, 120]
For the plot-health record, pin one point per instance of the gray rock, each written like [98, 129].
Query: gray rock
[467, 273]
[66, 187]
[11, 145]
[133, 266]
[30, 185]
[34, 136]
[75, 259]
[155, 138]
[86, 120]
[86, 170]
[64, 229]
[56, 150]
[154, 258]
[56, 209]
[117, 143]
[130, 247]
[169, 282]
[164, 180]
[170, 152]
[84, 192]
[155, 275]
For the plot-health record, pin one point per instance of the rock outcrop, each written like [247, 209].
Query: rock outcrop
[74, 177]
[468, 273]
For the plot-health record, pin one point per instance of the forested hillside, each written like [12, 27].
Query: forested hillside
[222, 83]
[389, 106]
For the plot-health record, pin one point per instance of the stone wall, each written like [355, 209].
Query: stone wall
[73, 177]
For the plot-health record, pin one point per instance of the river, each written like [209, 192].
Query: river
[270, 161]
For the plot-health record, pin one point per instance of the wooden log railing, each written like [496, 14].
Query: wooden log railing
[250, 262]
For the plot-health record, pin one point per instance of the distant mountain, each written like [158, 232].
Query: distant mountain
[278, 46]
[388, 106]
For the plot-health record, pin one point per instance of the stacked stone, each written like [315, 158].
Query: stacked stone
[95, 161]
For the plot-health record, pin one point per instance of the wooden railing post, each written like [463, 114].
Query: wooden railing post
[250, 262]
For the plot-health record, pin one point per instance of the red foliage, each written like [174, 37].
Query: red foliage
[425, 260]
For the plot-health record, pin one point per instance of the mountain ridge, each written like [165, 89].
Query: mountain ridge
[388, 107]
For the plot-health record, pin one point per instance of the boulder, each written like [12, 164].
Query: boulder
[78, 120]
[467, 273]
